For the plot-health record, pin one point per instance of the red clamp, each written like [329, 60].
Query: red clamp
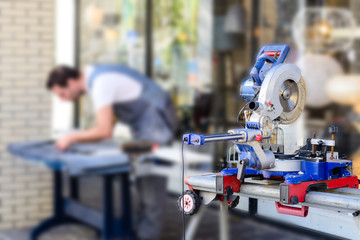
[300, 212]
[155, 146]
[259, 137]
[298, 191]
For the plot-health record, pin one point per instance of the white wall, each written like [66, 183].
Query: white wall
[62, 112]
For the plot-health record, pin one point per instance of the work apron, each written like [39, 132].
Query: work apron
[152, 116]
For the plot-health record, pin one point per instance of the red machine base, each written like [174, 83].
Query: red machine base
[295, 193]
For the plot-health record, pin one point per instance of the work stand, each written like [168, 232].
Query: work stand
[70, 210]
[223, 220]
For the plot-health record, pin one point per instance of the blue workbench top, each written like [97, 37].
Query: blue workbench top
[85, 158]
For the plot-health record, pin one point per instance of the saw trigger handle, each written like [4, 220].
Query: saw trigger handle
[277, 52]
[273, 54]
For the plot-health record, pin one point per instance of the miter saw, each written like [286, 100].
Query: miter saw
[275, 94]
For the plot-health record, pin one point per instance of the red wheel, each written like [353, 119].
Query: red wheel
[189, 203]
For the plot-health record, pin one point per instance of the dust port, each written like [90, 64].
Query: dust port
[253, 105]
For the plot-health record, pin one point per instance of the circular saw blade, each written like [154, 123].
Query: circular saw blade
[292, 98]
[289, 95]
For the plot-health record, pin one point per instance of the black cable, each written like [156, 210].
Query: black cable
[183, 188]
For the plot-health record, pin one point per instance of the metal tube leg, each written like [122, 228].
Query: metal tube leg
[224, 220]
[58, 200]
[193, 224]
[74, 188]
[108, 204]
[58, 205]
[126, 219]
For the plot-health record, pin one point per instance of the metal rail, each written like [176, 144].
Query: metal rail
[336, 199]
[223, 137]
[197, 139]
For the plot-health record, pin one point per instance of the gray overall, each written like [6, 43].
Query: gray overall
[151, 117]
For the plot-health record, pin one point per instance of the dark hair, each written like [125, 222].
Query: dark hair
[60, 76]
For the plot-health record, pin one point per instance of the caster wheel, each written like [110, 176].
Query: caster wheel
[233, 203]
[191, 202]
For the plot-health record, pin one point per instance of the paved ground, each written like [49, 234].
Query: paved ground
[240, 228]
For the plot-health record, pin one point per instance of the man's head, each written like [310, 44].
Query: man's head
[66, 82]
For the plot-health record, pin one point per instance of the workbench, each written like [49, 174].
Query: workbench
[102, 159]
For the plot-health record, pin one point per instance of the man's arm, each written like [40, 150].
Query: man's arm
[102, 130]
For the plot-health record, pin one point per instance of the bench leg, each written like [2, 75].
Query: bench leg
[108, 207]
[117, 228]
[58, 205]
[48, 224]
[74, 187]
[125, 218]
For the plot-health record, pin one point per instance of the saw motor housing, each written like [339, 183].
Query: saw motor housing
[275, 89]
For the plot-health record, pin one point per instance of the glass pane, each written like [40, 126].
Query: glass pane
[175, 39]
[112, 32]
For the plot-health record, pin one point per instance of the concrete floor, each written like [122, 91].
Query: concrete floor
[240, 228]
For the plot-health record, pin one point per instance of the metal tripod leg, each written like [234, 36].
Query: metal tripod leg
[224, 220]
[194, 223]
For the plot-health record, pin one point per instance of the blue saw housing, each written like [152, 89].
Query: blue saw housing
[268, 57]
[311, 169]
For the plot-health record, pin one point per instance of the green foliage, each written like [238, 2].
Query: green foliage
[175, 28]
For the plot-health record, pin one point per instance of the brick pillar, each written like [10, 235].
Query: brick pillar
[26, 55]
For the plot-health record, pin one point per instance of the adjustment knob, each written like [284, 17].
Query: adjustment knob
[333, 129]
[259, 137]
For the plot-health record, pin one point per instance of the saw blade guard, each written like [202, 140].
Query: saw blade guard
[293, 112]
[282, 94]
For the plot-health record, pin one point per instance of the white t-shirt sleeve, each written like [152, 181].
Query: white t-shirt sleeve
[102, 94]
[111, 88]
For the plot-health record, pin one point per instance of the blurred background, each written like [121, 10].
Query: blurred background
[199, 51]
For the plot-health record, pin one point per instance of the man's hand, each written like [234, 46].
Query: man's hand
[64, 142]
[102, 130]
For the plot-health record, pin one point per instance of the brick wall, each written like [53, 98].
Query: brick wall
[26, 55]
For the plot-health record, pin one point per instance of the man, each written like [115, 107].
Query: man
[116, 91]
[133, 99]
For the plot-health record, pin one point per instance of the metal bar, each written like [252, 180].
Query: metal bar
[108, 207]
[77, 57]
[108, 170]
[225, 137]
[194, 224]
[125, 218]
[74, 187]
[224, 220]
[340, 199]
[328, 198]
[149, 38]
[83, 213]
[58, 200]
